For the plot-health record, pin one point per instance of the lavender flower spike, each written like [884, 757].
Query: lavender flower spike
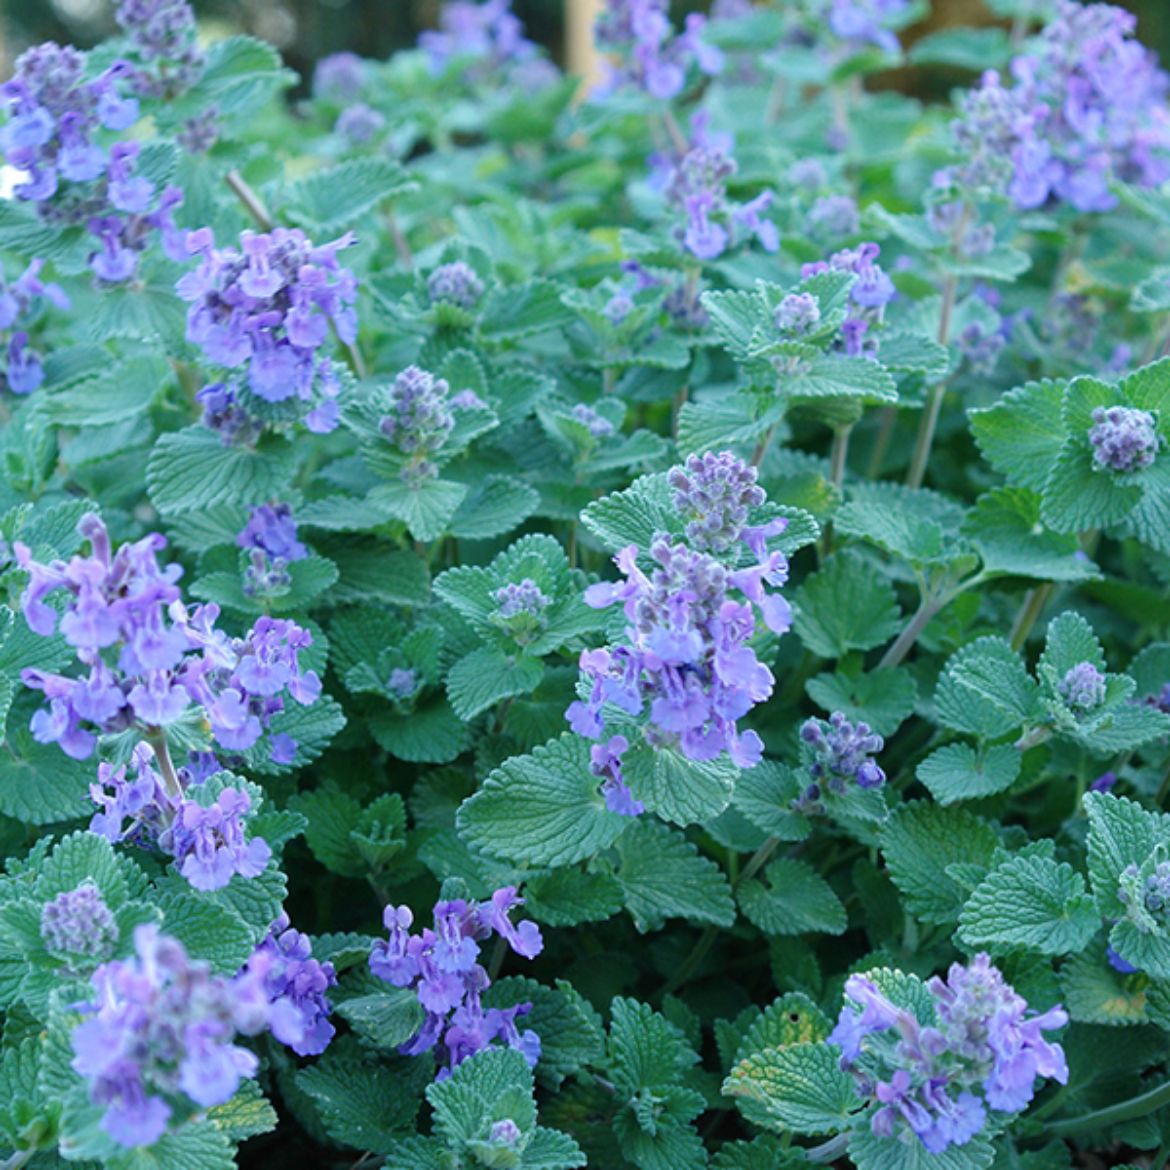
[162, 1026]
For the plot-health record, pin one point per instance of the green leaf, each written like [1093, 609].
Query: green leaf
[425, 507]
[1147, 951]
[486, 676]
[882, 698]
[192, 468]
[466, 1103]
[246, 1115]
[365, 1104]
[1121, 833]
[646, 1050]
[544, 808]
[844, 606]
[662, 875]
[1078, 496]
[495, 506]
[335, 198]
[376, 571]
[386, 1019]
[1032, 903]
[1095, 993]
[241, 73]
[39, 783]
[523, 310]
[958, 772]
[795, 900]
[1021, 435]
[678, 789]
[197, 1145]
[801, 1088]
[1069, 642]
[632, 516]
[207, 930]
[985, 690]
[868, 1151]
[430, 734]
[568, 897]
[146, 312]
[1004, 526]
[919, 842]
[915, 524]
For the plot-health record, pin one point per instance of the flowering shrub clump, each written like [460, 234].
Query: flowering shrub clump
[661, 580]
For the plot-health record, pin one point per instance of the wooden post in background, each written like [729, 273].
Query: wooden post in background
[581, 53]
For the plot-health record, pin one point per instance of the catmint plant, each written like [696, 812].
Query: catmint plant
[556, 622]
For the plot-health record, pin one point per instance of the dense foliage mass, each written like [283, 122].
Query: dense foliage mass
[548, 629]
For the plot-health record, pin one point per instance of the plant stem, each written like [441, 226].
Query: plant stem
[934, 401]
[829, 1151]
[839, 454]
[1140, 1106]
[20, 1158]
[678, 140]
[777, 97]
[157, 738]
[757, 860]
[401, 244]
[928, 607]
[762, 446]
[252, 202]
[691, 963]
[1033, 606]
[881, 443]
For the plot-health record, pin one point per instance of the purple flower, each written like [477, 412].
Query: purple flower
[77, 926]
[163, 41]
[597, 424]
[798, 314]
[295, 986]
[272, 529]
[841, 752]
[871, 292]
[54, 115]
[685, 665]
[605, 760]
[440, 965]
[266, 310]
[860, 22]
[1082, 688]
[160, 1026]
[22, 370]
[520, 611]
[208, 842]
[483, 38]
[834, 215]
[983, 1050]
[167, 658]
[339, 77]
[419, 420]
[713, 493]
[455, 284]
[359, 124]
[652, 56]
[1123, 439]
[1087, 105]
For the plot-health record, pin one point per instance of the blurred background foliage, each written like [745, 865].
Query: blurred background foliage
[307, 29]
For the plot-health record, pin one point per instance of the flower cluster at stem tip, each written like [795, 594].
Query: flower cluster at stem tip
[160, 1030]
[149, 658]
[983, 1050]
[685, 668]
[441, 966]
